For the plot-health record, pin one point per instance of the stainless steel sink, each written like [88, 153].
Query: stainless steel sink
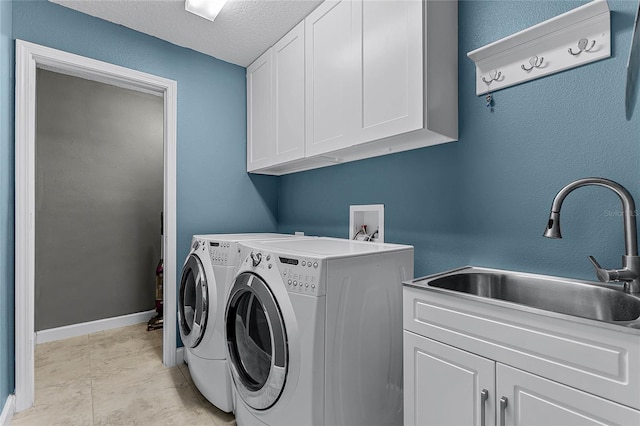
[601, 302]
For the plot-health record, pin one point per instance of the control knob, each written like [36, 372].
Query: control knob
[256, 258]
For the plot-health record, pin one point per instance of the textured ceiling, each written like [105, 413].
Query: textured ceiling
[241, 32]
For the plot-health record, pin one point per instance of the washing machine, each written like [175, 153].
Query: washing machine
[314, 332]
[206, 276]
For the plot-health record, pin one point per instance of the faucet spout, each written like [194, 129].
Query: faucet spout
[553, 226]
[630, 273]
[628, 206]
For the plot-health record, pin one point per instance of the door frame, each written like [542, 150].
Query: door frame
[29, 57]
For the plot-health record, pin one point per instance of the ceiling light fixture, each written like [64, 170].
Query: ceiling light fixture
[207, 9]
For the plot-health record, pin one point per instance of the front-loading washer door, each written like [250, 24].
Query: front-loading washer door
[256, 342]
[193, 302]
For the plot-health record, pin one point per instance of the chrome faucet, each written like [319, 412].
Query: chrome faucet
[629, 274]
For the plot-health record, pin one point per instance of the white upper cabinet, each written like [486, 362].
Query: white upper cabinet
[288, 69]
[331, 60]
[260, 135]
[275, 103]
[389, 89]
[380, 76]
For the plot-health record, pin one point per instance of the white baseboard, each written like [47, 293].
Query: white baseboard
[81, 329]
[8, 410]
[180, 356]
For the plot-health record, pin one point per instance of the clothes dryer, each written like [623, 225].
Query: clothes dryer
[314, 332]
[206, 277]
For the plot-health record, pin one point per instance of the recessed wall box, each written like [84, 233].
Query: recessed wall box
[575, 38]
[366, 222]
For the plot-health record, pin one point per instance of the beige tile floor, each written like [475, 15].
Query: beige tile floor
[114, 377]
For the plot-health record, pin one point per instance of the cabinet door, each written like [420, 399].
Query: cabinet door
[444, 385]
[288, 73]
[391, 69]
[260, 132]
[532, 400]
[331, 56]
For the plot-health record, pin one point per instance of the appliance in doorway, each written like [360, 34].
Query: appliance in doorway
[314, 332]
[206, 277]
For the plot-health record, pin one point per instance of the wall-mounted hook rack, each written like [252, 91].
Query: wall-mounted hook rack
[582, 46]
[494, 75]
[534, 62]
[544, 47]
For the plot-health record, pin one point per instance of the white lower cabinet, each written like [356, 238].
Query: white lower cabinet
[444, 385]
[527, 399]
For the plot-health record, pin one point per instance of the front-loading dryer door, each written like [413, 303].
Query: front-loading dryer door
[256, 342]
[193, 303]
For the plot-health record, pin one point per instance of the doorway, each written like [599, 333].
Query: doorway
[29, 58]
[99, 178]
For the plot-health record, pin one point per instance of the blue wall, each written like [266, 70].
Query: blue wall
[6, 204]
[485, 200]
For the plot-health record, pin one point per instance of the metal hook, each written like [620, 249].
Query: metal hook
[582, 46]
[494, 75]
[534, 62]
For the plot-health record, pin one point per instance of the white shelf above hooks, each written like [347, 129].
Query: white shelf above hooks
[575, 38]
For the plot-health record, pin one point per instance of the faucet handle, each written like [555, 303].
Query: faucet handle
[610, 275]
[604, 275]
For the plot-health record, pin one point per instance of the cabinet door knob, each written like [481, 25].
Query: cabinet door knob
[503, 409]
[484, 395]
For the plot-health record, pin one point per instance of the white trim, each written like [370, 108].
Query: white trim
[30, 56]
[180, 359]
[74, 330]
[170, 239]
[8, 410]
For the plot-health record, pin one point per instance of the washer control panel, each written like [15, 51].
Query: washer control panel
[299, 274]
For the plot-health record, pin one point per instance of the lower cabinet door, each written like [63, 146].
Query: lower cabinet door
[446, 386]
[525, 399]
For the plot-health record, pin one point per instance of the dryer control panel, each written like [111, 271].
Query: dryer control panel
[221, 252]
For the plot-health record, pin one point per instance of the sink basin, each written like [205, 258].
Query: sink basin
[583, 299]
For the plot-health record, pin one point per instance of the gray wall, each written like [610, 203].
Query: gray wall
[99, 155]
